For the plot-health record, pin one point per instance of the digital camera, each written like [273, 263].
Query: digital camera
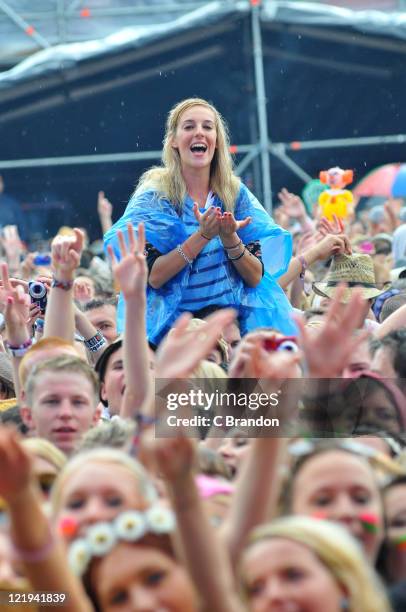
[38, 294]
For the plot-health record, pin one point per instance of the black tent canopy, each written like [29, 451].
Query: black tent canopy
[77, 120]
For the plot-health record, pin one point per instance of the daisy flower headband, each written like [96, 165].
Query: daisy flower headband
[129, 526]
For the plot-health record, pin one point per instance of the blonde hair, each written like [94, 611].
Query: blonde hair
[338, 552]
[208, 370]
[61, 364]
[49, 343]
[103, 455]
[46, 450]
[168, 180]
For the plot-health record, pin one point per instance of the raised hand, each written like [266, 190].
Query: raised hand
[331, 245]
[292, 204]
[131, 271]
[331, 227]
[209, 221]
[174, 457]
[229, 225]
[182, 350]
[82, 292]
[252, 360]
[66, 252]
[15, 466]
[327, 349]
[11, 241]
[14, 303]
[104, 206]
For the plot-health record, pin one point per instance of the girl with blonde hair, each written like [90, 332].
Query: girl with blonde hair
[210, 244]
[308, 564]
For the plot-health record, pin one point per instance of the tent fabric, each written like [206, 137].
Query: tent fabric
[60, 57]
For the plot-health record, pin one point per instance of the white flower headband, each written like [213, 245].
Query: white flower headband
[129, 526]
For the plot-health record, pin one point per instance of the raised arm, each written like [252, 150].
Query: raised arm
[328, 246]
[205, 557]
[257, 487]
[395, 321]
[40, 551]
[59, 316]
[15, 304]
[105, 211]
[131, 274]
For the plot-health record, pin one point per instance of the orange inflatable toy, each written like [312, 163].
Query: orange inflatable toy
[336, 200]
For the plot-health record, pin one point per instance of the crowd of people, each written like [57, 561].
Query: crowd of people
[210, 413]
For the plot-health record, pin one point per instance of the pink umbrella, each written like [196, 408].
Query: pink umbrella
[378, 182]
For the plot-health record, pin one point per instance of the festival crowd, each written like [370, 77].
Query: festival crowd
[208, 412]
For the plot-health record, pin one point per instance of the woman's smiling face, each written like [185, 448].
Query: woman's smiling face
[342, 487]
[281, 574]
[138, 578]
[196, 137]
[98, 492]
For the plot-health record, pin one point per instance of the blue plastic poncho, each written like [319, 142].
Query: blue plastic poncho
[212, 278]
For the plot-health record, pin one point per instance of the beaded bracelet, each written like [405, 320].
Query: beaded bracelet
[183, 254]
[19, 351]
[238, 256]
[65, 285]
[233, 247]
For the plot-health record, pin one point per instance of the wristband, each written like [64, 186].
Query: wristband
[95, 343]
[19, 351]
[183, 254]
[233, 247]
[144, 420]
[65, 285]
[304, 266]
[205, 237]
[238, 256]
[35, 556]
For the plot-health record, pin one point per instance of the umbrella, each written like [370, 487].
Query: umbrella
[387, 181]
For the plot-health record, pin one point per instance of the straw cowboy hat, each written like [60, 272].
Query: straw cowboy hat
[355, 270]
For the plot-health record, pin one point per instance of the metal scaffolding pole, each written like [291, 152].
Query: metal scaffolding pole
[261, 105]
[106, 158]
[23, 25]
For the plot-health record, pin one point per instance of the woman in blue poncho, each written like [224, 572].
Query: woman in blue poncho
[210, 244]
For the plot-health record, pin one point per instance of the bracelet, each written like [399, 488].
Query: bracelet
[304, 266]
[183, 254]
[238, 256]
[233, 247]
[95, 343]
[65, 285]
[143, 420]
[35, 556]
[203, 236]
[19, 351]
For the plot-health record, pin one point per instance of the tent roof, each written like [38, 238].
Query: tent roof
[106, 37]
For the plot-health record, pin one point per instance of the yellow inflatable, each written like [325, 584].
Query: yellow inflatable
[335, 200]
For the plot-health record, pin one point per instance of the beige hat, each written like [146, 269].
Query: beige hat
[355, 270]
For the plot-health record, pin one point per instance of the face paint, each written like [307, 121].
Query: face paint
[369, 522]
